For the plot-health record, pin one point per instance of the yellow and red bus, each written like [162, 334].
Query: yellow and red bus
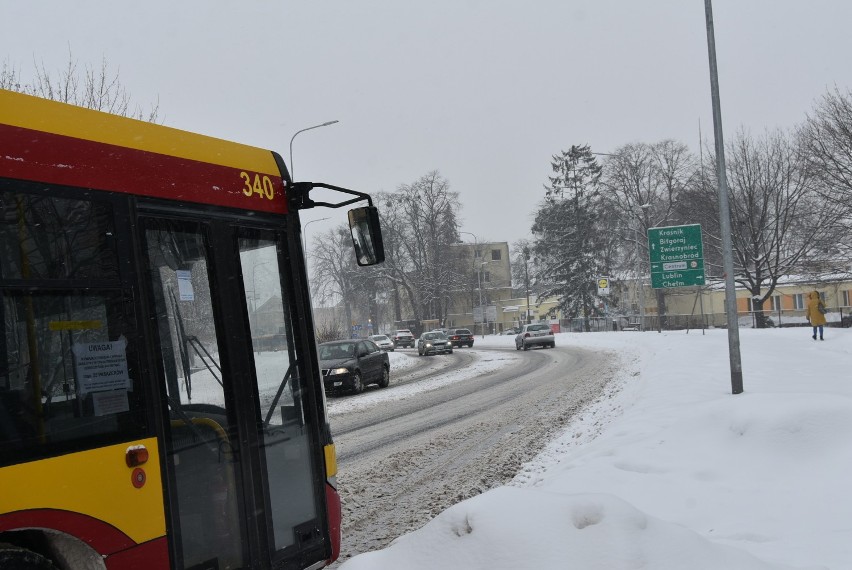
[142, 426]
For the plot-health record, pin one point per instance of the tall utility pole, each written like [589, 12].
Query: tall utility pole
[640, 286]
[641, 222]
[481, 308]
[724, 214]
[479, 282]
[526, 252]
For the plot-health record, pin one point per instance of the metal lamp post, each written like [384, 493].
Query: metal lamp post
[724, 211]
[639, 285]
[639, 279]
[479, 282]
[526, 252]
[327, 123]
[305, 241]
[481, 306]
[255, 332]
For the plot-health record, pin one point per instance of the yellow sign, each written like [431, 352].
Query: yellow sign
[74, 325]
[603, 283]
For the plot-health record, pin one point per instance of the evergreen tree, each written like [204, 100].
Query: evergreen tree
[569, 243]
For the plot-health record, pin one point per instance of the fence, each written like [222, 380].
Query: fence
[839, 317]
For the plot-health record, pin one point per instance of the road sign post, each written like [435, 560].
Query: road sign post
[676, 254]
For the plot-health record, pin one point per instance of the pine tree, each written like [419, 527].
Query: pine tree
[569, 240]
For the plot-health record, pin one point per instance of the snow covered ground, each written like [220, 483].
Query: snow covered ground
[669, 470]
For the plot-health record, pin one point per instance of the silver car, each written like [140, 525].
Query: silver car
[536, 334]
[383, 341]
[434, 343]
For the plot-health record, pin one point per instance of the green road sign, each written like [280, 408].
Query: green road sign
[677, 256]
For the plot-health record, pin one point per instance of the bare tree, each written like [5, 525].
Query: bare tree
[825, 140]
[643, 183]
[781, 222]
[335, 271]
[96, 88]
[419, 222]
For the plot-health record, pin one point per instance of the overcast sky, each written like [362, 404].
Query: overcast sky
[482, 91]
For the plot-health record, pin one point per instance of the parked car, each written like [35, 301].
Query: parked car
[511, 331]
[403, 338]
[461, 337]
[536, 334]
[382, 341]
[433, 343]
[353, 364]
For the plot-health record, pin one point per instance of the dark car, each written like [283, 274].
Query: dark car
[433, 343]
[403, 338]
[461, 337]
[353, 364]
[537, 334]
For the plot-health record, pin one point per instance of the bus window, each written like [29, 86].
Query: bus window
[285, 438]
[45, 237]
[67, 357]
[202, 442]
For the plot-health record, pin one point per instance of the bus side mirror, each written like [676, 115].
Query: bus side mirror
[366, 235]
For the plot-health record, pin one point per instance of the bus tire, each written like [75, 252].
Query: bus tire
[17, 558]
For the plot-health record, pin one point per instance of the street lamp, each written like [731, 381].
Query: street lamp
[481, 307]
[305, 241]
[639, 283]
[479, 281]
[254, 299]
[526, 252]
[292, 176]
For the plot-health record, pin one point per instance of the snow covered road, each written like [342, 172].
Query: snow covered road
[448, 428]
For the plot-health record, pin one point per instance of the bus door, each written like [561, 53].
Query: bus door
[289, 418]
[246, 477]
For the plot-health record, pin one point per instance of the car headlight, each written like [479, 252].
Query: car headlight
[334, 371]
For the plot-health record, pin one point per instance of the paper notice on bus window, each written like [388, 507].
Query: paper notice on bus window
[112, 402]
[101, 366]
[185, 285]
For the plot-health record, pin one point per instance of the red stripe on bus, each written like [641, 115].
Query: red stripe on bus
[335, 520]
[152, 555]
[103, 537]
[57, 159]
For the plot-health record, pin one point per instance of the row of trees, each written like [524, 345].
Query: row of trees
[98, 88]
[424, 267]
[791, 204]
[790, 194]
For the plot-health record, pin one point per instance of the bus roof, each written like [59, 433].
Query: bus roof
[47, 141]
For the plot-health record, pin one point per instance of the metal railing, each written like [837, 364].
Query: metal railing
[836, 317]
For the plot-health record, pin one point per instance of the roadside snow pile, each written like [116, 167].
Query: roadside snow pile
[681, 473]
[586, 531]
